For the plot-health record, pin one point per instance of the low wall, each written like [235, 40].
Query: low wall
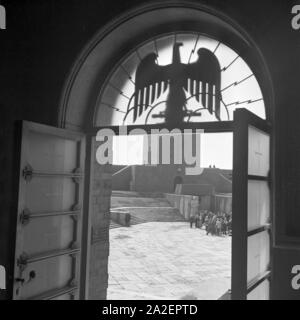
[120, 217]
[121, 177]
[186, 204]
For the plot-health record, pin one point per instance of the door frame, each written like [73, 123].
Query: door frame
[242, 119]
[208, 127]
[238, 124]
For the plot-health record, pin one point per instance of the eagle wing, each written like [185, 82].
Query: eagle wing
[151, 81]
[203, 80]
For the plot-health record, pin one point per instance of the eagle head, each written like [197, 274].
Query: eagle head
[202, 51]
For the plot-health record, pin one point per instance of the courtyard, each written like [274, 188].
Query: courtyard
[167, 260]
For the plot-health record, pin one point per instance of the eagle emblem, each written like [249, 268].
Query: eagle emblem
[200, 79]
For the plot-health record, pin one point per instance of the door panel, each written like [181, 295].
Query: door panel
[55, 194]
[51, 274]
[251, 234]
[52, 232]
[53, 153]
[49, 223]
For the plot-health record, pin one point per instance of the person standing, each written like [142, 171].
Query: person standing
[218, 226]
[197, 220]
[192, 220]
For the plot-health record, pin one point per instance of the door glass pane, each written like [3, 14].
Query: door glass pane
[258, 204]
[258, 152]
[261, 292]
[258, 254]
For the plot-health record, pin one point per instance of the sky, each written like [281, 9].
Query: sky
[216, 149]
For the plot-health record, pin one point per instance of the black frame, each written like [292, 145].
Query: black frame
[208, 127]
[242, 119]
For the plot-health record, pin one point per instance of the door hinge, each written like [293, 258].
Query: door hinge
[27, 173]
[22, 261]
[25, 217]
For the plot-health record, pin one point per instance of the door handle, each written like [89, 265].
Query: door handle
[31, 276]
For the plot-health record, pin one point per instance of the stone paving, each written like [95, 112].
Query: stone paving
[167, 260]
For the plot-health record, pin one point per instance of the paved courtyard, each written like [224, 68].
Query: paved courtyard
[167, 260]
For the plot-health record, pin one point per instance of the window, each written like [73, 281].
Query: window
[239, 87]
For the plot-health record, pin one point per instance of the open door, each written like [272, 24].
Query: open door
[49, 220]
[251, 228]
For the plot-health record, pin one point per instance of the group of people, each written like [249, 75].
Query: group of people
[214, 223]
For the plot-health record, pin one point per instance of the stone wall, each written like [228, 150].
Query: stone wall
[162, 178]
[121, 177]
[100, 219]
[187, 205]
[120, 216]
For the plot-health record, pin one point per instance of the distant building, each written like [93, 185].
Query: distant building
[163, 178]
[212, 187]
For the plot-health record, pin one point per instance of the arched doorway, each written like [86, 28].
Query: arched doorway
[85, 89]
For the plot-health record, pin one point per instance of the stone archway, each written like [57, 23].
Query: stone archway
[94, 64]
[98, 58]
